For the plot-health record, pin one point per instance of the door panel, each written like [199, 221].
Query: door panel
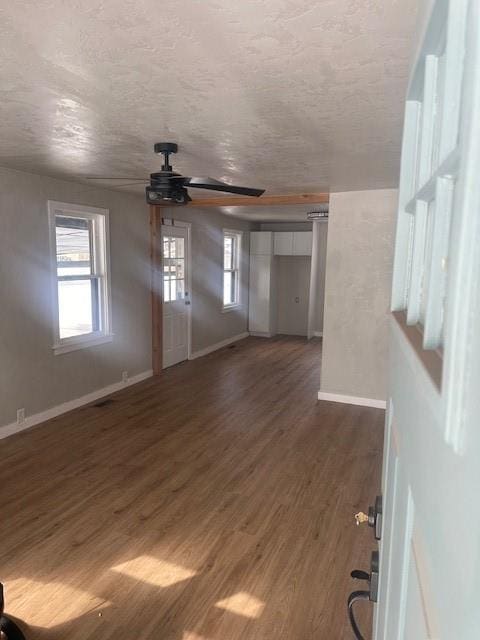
[415, 622]
[431, 469]
[176, 296]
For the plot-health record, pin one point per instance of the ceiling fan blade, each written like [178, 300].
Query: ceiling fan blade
[217, 185]
[129, 184]
[115, 178]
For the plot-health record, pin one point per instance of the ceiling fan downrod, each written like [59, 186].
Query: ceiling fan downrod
[165, 149]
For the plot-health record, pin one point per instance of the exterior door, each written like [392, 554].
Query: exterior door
[176, 296]
[430, 545]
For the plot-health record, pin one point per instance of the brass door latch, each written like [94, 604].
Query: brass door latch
[374, 517]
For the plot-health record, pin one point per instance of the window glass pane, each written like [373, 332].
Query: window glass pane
[78, 307]
[439, 102]
[166, 247]
[228, 296]
[74, 246]
[427, 259]
[228, 252]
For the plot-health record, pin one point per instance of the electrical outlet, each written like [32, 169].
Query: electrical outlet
[20, 416]
[124, 376]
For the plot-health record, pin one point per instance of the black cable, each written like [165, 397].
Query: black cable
[352, 598]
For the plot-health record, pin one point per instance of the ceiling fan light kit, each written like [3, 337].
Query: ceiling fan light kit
[168, 187]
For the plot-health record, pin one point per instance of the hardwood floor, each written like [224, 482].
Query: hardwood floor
[213, 503]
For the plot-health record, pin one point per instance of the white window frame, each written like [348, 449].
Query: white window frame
[101, 251]
[237, 244]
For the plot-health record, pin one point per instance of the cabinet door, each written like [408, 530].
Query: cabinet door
[261, 243]
[283, 243]
[302, 243]
[259, 307]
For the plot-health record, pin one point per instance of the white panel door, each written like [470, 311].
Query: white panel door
[429, 551]
[259, 317]
[176, 296]
[302, 243]
[283, 243]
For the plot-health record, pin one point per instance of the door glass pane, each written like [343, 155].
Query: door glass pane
[74, 246]
[166, 289]
[173, 268]
[78, 307]
[173, 247]
[427, 261]
[174, 289]
[179, 248]
[179, 289]
[180, 268]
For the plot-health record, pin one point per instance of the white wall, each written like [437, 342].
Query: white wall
[31, 376]
[357, 293]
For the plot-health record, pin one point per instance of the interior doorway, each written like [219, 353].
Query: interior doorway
[176, 306]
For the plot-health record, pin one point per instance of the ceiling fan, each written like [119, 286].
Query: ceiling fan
[169, 187]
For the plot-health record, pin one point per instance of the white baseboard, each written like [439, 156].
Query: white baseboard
[261, 334]
[53, 412]
[362, 402]
[218, 345]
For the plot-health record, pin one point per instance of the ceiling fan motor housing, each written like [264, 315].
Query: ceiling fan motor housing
[161, 194]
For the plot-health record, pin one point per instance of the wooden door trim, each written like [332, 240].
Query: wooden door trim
[156, 289]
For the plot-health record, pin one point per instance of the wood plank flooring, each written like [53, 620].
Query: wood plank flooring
[215, 502]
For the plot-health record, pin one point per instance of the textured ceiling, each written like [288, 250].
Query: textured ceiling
[275, 213]
[289, 95]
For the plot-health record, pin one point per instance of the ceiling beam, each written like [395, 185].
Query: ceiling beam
[263, 201]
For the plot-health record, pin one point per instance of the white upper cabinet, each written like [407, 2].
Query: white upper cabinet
[283, 243]
[302, 243]
[261, 243]
[293, 243]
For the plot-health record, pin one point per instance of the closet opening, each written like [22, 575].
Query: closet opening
[287, 277]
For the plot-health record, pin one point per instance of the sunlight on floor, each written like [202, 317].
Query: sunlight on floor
[190, 635]
[154, 571]
[243, 604]
[50, 603]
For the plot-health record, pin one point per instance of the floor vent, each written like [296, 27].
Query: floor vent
[103, 403]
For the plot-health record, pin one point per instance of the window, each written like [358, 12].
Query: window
[231, 268]
[81, 292]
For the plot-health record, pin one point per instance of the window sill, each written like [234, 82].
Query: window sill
[231, 307]
[431, 359]
[66, 347]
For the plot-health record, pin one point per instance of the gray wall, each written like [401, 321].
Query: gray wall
[31, 376]
[322, 265]
[357, 292]
[210, 324]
